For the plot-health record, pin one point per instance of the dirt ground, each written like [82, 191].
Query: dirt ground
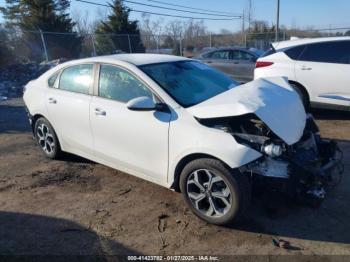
[74, 206]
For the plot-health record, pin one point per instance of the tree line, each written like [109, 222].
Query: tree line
[62, 38]
[116, 32]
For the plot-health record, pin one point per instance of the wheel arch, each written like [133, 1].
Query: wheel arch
[35, 118]
[302, 88]
[184, 161]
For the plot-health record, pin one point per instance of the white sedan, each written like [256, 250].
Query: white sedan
[183, 125]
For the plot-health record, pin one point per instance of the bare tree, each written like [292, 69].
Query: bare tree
[195, 37]
[82, 22]
[174, 30]
[151, 31]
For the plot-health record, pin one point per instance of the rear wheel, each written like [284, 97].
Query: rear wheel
[46, 137]
[214, 192]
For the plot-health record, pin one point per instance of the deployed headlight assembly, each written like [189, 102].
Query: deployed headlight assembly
[273, 150]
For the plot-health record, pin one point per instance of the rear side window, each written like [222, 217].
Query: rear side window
[294, 52]
[246, 56]
[327, 52]
[77, 78]
[52, 80]
[234, 55]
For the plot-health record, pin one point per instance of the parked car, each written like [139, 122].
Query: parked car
[181, 124]
[318, 69]
[238, 63]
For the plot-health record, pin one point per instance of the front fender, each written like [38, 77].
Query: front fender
[197, 139]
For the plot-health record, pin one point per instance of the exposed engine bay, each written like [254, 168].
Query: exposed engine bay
[306, 169]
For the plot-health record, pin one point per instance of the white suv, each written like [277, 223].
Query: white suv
[318, 69]
[183, 125]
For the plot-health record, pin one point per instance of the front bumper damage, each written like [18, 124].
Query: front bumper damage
[306, 170]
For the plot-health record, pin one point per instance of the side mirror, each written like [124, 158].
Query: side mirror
[142, 103]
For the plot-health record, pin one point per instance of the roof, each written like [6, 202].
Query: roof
[301, 41]
[136, 59]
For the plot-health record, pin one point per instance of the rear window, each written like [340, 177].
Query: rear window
[327, 52]
[294, 52]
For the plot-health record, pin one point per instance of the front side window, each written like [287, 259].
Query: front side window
[189, 82]
[118, 84]
[327, 52]
[77, 78]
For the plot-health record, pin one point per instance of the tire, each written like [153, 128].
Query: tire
[221, 202]
[303, 96]
[46, 138]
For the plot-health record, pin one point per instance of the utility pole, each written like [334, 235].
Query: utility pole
[249, 14]
[277, 20]
[243, 29]
[44, 45]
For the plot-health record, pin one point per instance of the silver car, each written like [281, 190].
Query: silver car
[238, 63]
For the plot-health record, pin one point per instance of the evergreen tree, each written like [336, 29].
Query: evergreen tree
[118, 23]
[31, 16]
[6, 52]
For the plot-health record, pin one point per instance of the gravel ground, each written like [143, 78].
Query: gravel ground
[74, 206]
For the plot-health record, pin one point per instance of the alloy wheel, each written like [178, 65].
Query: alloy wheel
[45, 138]
[209, 193]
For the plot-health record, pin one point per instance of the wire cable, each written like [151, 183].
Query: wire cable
[160, 14]
[193, 8]
[179, 10]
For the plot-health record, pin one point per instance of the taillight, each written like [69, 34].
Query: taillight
[262, 64]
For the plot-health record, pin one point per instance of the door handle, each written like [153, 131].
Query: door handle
[306, 68]
[100, 112]
[236, 63]
[52, 100]
[209, 62]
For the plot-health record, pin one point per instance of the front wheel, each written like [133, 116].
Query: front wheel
[214, 192]
[47, 139]
[303, 96]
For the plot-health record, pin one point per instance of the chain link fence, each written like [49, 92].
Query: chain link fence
[18, 46]
[24, 55]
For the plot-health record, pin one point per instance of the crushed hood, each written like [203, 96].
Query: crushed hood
[271, 99]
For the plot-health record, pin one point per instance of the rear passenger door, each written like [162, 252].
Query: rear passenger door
[324, 70]
[68, 103]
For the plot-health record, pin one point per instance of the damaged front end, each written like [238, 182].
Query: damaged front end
[305, 169]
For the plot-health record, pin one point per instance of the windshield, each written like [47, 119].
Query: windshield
[189, 82]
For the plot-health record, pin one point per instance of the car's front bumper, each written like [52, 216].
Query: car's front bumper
[307, 170]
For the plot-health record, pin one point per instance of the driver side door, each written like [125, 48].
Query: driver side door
[132, 141]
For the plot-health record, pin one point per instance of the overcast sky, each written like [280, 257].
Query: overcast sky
[300, 13]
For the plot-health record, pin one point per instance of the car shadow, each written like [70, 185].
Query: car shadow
[35, 235]
[68, 157]
[276, 214]
[13, 119]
